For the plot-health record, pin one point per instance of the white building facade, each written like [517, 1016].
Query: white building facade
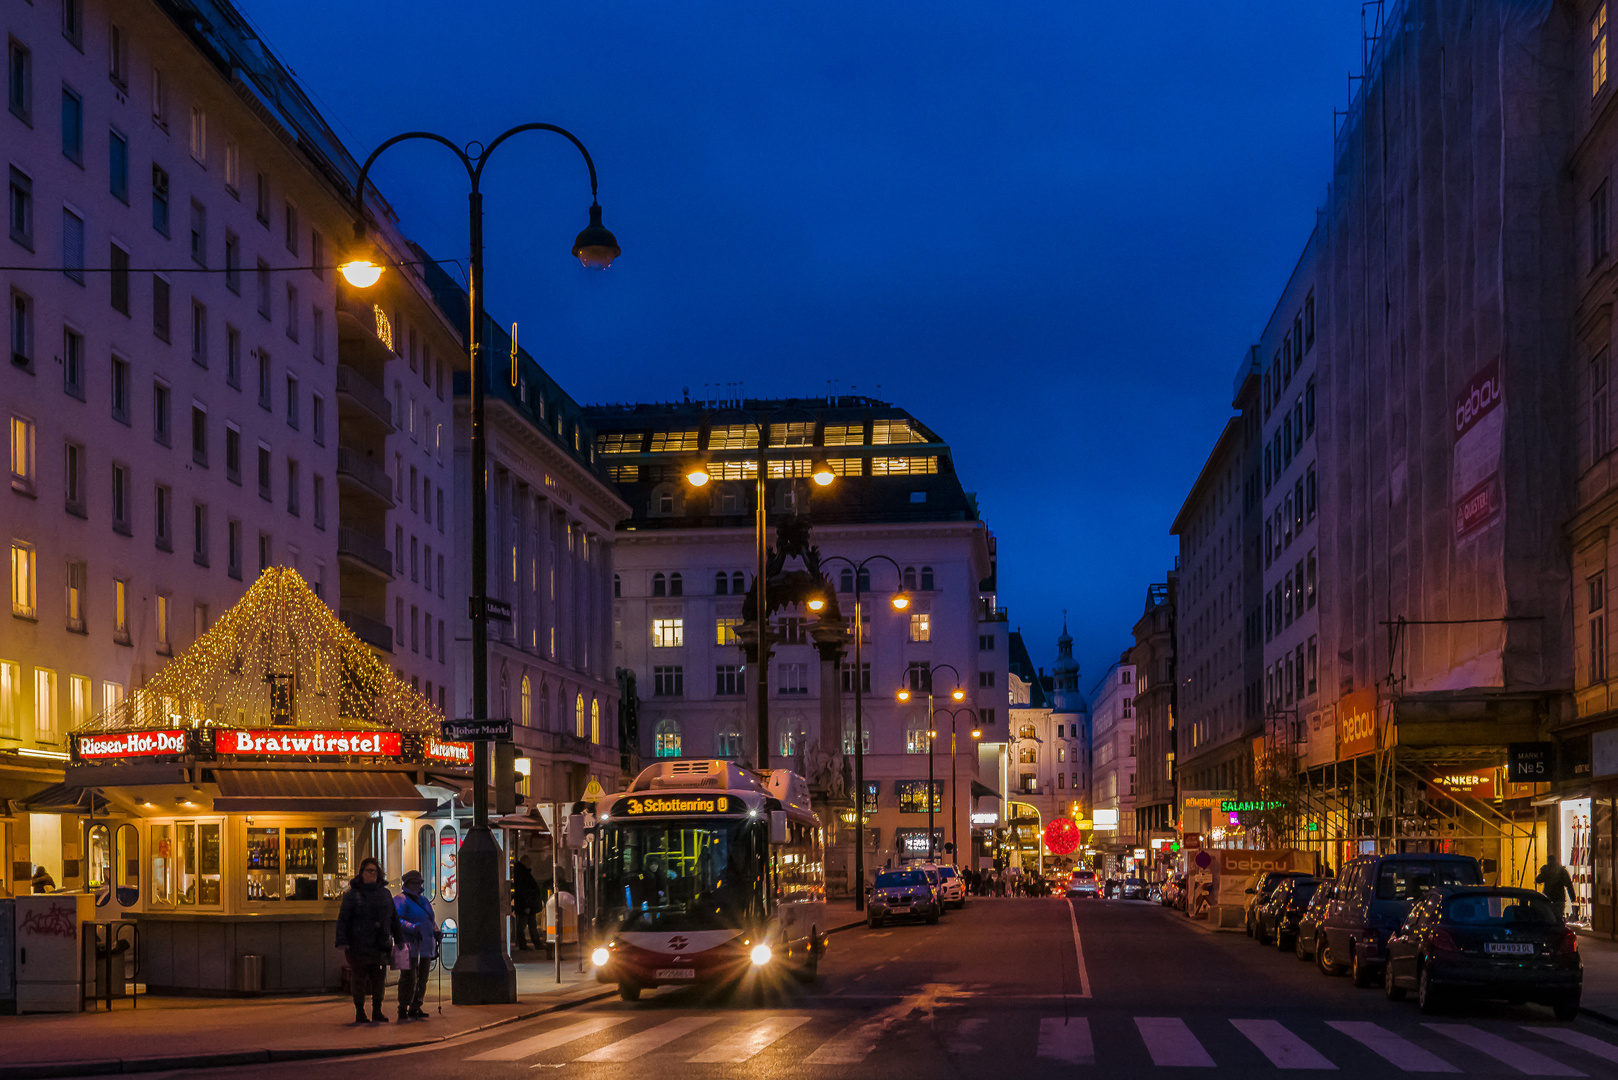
[1112, 734]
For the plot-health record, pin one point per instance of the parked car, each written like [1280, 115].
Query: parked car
[1303, 937]
[902, 894]
[1374, 896]
[1083, 886]
[1486, 942]
[951, 888]
[1277, 920]
[1258, 894]
[1133, 888]
[1174, 893]
[935, 880]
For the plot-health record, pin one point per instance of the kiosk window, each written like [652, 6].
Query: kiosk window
[162, 864]
[264, 864]
[336, 860]
[199, 880]
[126, 870]
[99, 846]
[303, 864]
[427, 859]
[449, 846]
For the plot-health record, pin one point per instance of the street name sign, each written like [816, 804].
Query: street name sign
[476, 730]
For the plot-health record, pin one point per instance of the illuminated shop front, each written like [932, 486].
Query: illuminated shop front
[225, 806]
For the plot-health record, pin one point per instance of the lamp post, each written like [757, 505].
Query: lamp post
[954, 788]
[483, 974]
[698, 476]
[900, 601]
[957, 694]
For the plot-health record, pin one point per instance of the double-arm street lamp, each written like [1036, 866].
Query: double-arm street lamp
[957, 694]
[900, 601]
[483, 974]
[698, 476]
[954, 787]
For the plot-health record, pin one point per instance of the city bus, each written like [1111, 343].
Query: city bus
[708, 873]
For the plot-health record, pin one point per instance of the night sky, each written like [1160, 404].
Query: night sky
[1050, 231]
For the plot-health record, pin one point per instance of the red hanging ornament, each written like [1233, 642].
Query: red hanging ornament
[1062, 837]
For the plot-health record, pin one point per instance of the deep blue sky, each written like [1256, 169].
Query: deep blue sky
[1050, 230]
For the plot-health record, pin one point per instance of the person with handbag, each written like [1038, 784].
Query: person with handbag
[367, 931]
[415, 957]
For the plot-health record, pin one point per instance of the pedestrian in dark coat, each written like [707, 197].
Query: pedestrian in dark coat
[421, 935]
[527, 901]
[368, 930]
[1556, 883]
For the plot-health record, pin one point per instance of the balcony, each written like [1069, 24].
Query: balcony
[364, 474]
[368, 630]
[368, 552]
[355, 389]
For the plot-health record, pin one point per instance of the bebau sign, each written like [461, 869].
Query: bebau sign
[131, 744]
[308, 743]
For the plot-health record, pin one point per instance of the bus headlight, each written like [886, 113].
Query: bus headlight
[761, 955]
[600, 957]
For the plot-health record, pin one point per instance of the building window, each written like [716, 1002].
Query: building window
[1597, 586]
[848, 678]
[120, 389]
[729, 680]
[793, 678]
[728, 742]
[1309, 580]
[317, 418]
[1313, 664]
[23, 583]
[659, 585]
[233, 549]
[72, 246]
[319, 496]
[160, 413]
[985, 678]
[790, 737]
[118, 279]
[77, 575]
[668, 633]
[294, 489]
[668, 681]
[265, 400]
[666, 739]
[292, 312]
[73, 469]
[45, 705]
[199, 534]
[199, 435]
[921, 626]
[120, 499]
[725, 631]
[160, 199]
[72, 126]
[164, 646]
[20, 81]
[926, 579]
[160, 106]
[1600, 408]
[199, 136]
[73, 362]
[162, 514]
[264, 472]
[233, 167]
[1599, 234]
[21, 208]
[1598, 50]
[676, 585]
[22, 455]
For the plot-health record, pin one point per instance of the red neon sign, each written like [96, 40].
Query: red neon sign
[458, 753]
[308, 743]
[131, 744]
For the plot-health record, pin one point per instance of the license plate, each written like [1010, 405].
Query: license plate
[676, 973]
[1509, 948]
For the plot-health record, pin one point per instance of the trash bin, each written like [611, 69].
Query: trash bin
[250, 974]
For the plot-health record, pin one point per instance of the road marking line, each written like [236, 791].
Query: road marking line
[644, 1042]
[549, 1040]
[1401, 1052]
[1579, 1040]
[1078, 951]
[1284, 1049]
[1170, 1042]
[1067, 1040]
[745, 1044]
[1520, 1058]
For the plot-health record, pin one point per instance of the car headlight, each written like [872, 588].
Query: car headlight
[761, 955]
[600, 957]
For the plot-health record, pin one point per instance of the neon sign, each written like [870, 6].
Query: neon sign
[308, 743]
[131, 744]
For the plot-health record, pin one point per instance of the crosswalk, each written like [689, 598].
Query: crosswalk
[1063, 1043]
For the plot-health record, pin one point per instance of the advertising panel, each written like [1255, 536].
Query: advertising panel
[1479, 425]
[308, 743]
[1233, 869]
[127, 744]
[1356, 724]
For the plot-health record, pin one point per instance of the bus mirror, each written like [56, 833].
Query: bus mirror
[778, 826]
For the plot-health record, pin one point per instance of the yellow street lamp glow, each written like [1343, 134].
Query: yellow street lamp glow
[958, 694]
[361, 273]
[698, 475]
[816, 603]
[977, 733]
[823, 474]
[904, 695]
[901, 601]
[932, 734]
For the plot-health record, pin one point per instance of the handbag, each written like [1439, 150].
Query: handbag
[401, 958]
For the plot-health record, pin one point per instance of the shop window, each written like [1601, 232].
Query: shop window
[264, 864]
[197, 879]
[98, 848]
[728, 743]
[126, 866]
[667, 739]
[595, 721]
[427, 860]
[162, 864]
[449, 848]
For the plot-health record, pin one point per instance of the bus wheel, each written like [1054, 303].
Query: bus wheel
[629, 991]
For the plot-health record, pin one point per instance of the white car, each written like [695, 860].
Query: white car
[951, 888]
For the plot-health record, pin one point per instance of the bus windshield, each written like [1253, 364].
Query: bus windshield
[684, 875]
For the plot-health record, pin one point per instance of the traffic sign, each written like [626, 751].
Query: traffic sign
[476, 730]
[593, 791]
[493, 610]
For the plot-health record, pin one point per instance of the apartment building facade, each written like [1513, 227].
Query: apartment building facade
[1112, 738]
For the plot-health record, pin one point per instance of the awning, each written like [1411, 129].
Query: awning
[317, 792]
[980, 791]
[65, 798]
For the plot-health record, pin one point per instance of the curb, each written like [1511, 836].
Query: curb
[1595, 1014]
[46, 1070]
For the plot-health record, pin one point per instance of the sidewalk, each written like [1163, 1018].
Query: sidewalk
[189, 1032]
[1600, 998]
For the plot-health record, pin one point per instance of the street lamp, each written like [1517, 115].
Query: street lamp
[957, 694]
[900, 600]
[954, 786]
[698, 476]
[483, 974]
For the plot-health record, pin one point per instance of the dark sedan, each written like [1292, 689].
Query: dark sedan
[1258, 894]
[1485, 942]
[1309, 923]
[1276, 920]
[903, 894]
[1133, 888]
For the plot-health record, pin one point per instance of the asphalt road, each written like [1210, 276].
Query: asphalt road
[1024, 988]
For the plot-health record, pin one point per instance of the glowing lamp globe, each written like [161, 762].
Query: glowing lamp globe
[1062, 837]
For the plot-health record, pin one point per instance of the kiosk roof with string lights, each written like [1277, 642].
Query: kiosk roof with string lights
[225, 805]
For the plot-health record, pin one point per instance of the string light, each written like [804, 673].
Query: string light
[279, 632]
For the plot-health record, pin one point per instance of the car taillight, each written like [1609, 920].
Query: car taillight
[1444, 943]
[1569, 949]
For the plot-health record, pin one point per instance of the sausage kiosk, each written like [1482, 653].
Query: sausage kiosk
[224, 806]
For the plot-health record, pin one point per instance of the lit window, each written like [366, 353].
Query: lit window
[921, 626]
[733, 437]
[886, 432]
[725, 631]
[618, 442]
[668, 441]
[23, 581]
[668, 633]
[1598, 50]
[22, 454]
[667, 738]
[845, 435]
